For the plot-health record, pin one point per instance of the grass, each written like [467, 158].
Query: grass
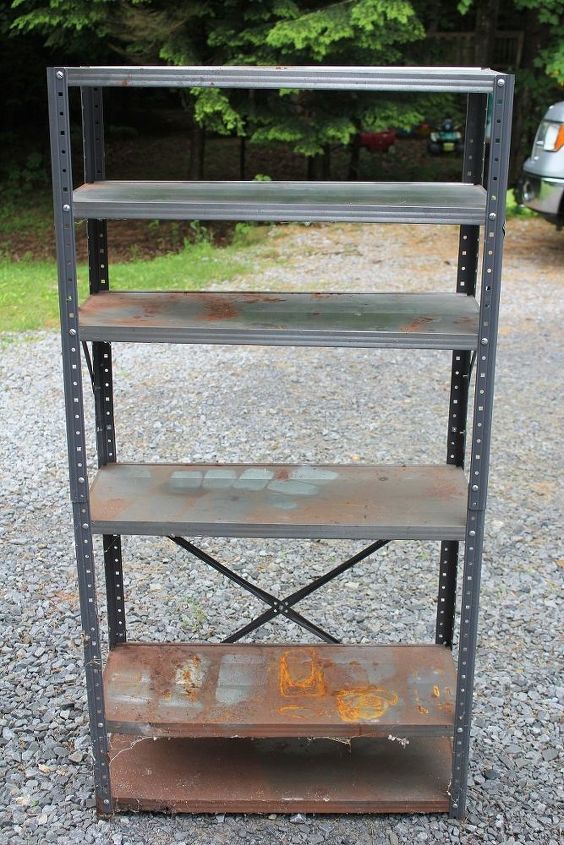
[513, 209]
[28, 288]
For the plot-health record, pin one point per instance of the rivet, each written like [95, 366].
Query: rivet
[475, 487]
[501, 82]
[472, 533]
[484, 341]
[60, 74]
[66, 207]
[492, 215]
[85, 525]
[72, 331]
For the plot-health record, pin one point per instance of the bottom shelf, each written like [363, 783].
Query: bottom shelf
[280, 775]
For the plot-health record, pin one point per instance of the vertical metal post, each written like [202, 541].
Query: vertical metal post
[468, 249]
[94, 169]
[481, 433]
[74, 407]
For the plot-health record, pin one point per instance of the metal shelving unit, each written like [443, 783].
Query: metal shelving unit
[247, 727]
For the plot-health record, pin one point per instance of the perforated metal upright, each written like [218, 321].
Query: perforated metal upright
[265, 749]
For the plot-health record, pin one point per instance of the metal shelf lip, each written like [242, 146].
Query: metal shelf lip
[405, 320]
[362, 202]
[281, 775]
[281, 500]
[257, 690]
[453, 79]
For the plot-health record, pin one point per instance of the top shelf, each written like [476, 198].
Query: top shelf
[467, 80]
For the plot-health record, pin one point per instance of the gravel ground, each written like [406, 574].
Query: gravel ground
[205, 403]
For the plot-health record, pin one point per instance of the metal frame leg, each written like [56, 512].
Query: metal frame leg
[74, 407]
[102, 381]
[481, 435]
[468, 249]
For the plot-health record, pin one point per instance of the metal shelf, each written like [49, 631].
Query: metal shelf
[361, 202]
[277, 500]
[454, 79]
[406, 320]
[281, 775]
[152, 690]
[196, 690]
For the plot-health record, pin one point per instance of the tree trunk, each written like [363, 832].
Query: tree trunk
[197, 153]
[484, 34]
[326, 163]
[242, 158]
[354, 160]
[314, 168]
[523, 103]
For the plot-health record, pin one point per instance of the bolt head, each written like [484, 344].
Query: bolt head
[60, 74]
[501, 82]
[475, 487]
[472, 533]
[72, 332]
[81, 480]
[484, 341]
[66, 207]
[492, 215]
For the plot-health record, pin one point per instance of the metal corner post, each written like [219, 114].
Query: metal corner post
[468, 249]
[102, 375]
[68, 300]
[481, 432]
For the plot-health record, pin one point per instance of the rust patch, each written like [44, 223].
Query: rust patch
[189, 675]
[282, 474]
[218, 308]
[418, 324]
[364, 703]
[445, 707]
[423, 710]
[436, 692]
[300, 674]
[113, 507]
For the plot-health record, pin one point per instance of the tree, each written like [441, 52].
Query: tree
[256, 32]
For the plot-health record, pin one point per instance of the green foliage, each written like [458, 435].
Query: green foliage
[370, 26]
[213, 110]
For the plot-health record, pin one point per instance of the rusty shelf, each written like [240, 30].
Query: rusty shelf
[280, 500]
[361, 202]
[281, 775]
[416, 321]
[262, 691]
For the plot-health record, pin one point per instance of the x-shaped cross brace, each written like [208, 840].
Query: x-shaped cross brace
[279, 606]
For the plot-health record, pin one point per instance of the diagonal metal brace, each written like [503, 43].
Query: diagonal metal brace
[277, 606]
[300, 594]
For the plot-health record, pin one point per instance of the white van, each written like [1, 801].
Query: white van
[541, 186]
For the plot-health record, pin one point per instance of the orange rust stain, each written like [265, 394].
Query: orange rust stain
[295, 711]
[364, 703]
[436, 692]
[282, 474]
[422, 709]
[189, 675]
[300, 674]
[418, 324]
[219, 308]
[446, 707]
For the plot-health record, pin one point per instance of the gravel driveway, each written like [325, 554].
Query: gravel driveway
[204, 404]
